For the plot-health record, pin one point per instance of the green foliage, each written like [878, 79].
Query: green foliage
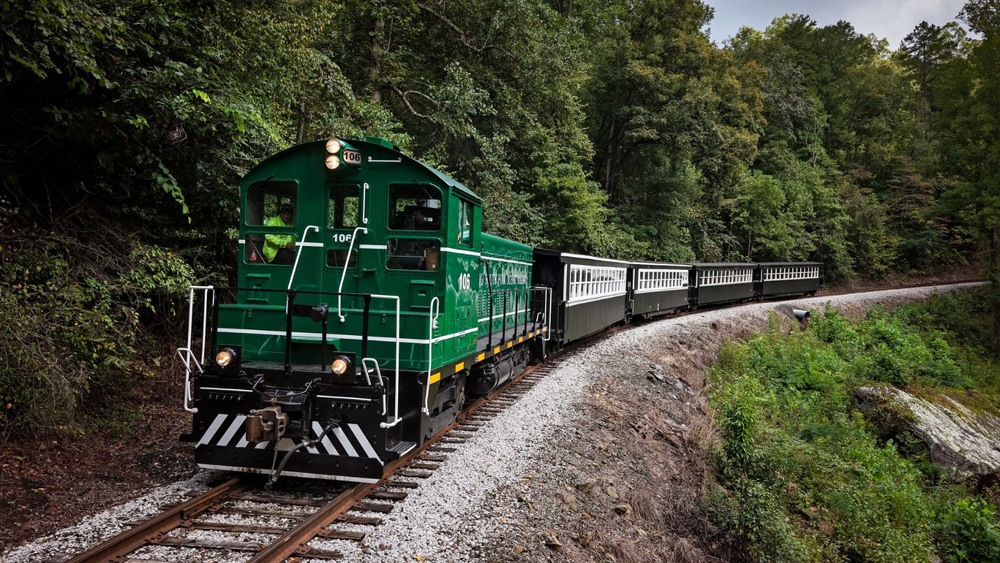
[804, 476]
[750, 511]
[70, 349]
[969, 149]
[894, 353]
[968, 531]
[739, 410]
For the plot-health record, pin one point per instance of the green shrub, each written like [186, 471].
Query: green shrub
[739, 406]
[71, 330]
[752, 513]
[803, 475]
[967, 532]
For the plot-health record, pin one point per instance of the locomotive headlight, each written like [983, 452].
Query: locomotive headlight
[332, 161]
[333, 147]
[225, 357]
[340, 365]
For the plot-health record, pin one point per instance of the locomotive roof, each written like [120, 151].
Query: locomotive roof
[725, 265]
[379, 145]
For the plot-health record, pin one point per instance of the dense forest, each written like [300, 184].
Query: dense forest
[614, 127]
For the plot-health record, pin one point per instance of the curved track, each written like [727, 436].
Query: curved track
[172, 527]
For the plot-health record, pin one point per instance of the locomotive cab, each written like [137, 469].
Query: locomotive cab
[345, 341]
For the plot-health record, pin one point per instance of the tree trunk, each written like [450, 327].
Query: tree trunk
[375, 68]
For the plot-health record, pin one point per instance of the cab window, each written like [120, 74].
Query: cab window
[414, 207]
[413, 254]
[465, 219]
[265, 201]
[344, 207]
[270, 248]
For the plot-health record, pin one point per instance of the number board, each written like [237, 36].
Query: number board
[352, 157]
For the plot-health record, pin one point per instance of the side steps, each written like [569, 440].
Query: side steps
[401, 448]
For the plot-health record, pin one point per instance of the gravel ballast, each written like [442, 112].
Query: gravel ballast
[551, 476]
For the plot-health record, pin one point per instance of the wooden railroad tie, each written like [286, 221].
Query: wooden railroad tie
[290, 501]
[403, 484]
[372, 507]
[296, 515]
[411, 473]
[387, 495]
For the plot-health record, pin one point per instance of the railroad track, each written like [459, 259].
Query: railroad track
[237, 506]
[308, 518]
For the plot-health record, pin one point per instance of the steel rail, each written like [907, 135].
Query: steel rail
[155, 528]
[294, 542]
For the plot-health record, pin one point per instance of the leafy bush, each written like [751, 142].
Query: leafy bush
[71, 338]
[802, 475]
[967, 531]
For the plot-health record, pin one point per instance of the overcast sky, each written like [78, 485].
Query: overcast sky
[889, 19]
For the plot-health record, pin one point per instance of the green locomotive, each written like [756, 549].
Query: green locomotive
[368, 306]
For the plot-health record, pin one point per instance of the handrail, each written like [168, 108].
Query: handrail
[546, 309]
[395, 416]
[367, 370]
[548, 317]
[204, 324]
[431, 325]
[190, 354]
[302, 245]
[378, 372]
[364, 206]
[188, 399]
[343, 274]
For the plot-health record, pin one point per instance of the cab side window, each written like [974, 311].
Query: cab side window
[271, 205]
[265, 199]
[465, 220]
[414, 207]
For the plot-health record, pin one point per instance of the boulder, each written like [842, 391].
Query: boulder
[962, 442]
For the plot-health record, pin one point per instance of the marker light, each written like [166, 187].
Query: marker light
[225, 357]
[339, 366]
[333, 146]
[332, 162]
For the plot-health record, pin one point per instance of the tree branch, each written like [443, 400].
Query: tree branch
[461, 34]
[403, 96]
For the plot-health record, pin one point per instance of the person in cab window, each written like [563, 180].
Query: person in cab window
[280, 249]
[412, 251]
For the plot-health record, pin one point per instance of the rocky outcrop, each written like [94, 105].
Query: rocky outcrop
[963, 442]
